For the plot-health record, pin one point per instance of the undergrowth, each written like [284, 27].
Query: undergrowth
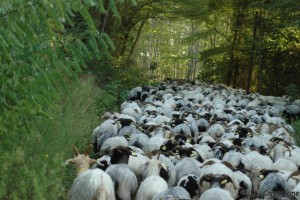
[32, 164]
[296, 126]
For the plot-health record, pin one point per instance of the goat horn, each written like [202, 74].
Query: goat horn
[205, 177]
[208, 163]
[90, 147]
[229, 165]
[272, 146]
[99, 163]
[178, 158]
[75, 150]
[230, 180]
[288, 148]
[237, 148]
[158, 155]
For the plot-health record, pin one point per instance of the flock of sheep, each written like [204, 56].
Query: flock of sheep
[191, 140]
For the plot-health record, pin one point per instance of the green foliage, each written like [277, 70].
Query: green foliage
[110, 97]
[115, 83]
[32, 164]
[153, 66]
[40, 52]
[293, 91]
[296, 126]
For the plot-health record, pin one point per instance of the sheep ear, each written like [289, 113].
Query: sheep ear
[208, 163]
[261, 176]
[132, 153]
[229, 165]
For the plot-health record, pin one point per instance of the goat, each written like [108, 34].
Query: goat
[90, 184]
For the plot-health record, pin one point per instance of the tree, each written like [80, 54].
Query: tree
[41, 50]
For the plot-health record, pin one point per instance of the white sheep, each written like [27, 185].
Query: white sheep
[153, 184]
[216, 193]
[112, 143]
[176, 192]
[150, 187]
[125, 181]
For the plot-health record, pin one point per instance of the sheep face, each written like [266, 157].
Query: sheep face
[121, 155]
[190, 184]
[216, 180]
[168, 145]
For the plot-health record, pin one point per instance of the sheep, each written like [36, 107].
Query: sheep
[138, 140]
[284, 164]
[232, 157]
[187, 166]
[272, 186]
[216, 193]
[216, 131]
[155, 168]
[296, 192]
[168, 168]
[111, 143]
[154, 143]
[90, 184]
[292, 112]
[190, 183]
[202, 124]
[193, 126]
[135, 93]
[254, 161]
[102, 163]
[126, 155]
[244, 183]
[107, 129]
[205, 149]
[225, 139]
[189, 152]
[153, 182]
[176, 192]
[125, 181]
[150, 187]
[127, 131]
[134, 112]
[218, 175]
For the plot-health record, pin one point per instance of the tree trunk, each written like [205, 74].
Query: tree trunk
[252, 52]
[261, 36]
[232, 56]
[137, 38]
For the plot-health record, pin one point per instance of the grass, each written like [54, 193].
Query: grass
[296, 126]
[32, 164]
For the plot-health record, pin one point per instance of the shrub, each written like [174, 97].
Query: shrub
[32, 164]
